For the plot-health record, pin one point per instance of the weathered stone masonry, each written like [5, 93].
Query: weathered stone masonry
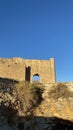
[24, 70]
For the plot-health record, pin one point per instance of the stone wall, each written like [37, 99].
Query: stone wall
[24, 70]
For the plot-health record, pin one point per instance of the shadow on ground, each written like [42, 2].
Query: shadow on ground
[10, 119]
[7, 85]
[32, 122]
[6, 80]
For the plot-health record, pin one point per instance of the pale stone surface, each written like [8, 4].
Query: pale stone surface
[62, 107]
[44, 114]
[15, 68]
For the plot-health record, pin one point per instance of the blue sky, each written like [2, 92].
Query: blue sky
[38, 29]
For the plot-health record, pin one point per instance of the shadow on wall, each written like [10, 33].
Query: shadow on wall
[7, 85]
[14, 122]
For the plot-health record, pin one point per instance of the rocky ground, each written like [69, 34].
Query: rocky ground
[25, 106]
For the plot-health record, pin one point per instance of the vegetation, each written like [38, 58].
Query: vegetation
[60, 90]
[30, 95]
[24, 97]
[18, 99]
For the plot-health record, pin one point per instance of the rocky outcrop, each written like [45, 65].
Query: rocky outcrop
[57, 101]
[26, 106]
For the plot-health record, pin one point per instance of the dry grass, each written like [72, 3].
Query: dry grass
[60, 90]
[30, 95]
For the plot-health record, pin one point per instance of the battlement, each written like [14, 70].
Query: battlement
[24, 69]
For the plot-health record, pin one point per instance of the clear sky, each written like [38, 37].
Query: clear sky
[38, 29]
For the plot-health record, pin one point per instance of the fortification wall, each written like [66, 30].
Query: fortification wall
[23, 69]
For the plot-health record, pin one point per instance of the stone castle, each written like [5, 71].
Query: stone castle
[24, 69]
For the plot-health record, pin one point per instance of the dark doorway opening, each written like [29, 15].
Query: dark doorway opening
[27, 73]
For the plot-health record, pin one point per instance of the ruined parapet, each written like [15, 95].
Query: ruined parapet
[24, 69]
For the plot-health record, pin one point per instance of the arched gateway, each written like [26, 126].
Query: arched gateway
[36, 78]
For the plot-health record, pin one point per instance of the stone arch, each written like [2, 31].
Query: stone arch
[36, 78]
